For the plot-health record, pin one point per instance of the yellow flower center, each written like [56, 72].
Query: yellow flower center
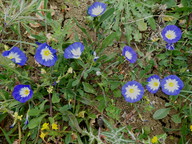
[10, 57]
[26, 92]
[47, 52]
[171, 84]
[156, 84]
[131, 90]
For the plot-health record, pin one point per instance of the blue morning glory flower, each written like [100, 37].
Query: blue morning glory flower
[153, 83]
[171, 85]
[130, 54]
[170, 46]
[96, 9]
[95, 56]
[132, 91]
[171, 34]
[45, 55]
[16, 55]
[74, 50]
[22, 93]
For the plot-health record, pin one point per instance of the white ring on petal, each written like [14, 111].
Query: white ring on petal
[128, 55]
[15, 56]
[132, 91]
[24, 92]
[46, 54]
[76, 52]
[154, 84]
[171, 85]
[97, 10]
[170, 34]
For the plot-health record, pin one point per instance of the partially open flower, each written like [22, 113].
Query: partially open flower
[74, 50]
[96, 9]
[16, 55]
[129, 54]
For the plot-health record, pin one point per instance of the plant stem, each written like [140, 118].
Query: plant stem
[51, 105]
[19, 129]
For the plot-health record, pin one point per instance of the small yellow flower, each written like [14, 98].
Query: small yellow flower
[70, 70]
[191, 127]
[20, 117]
[43, 71]
[45, 126]
[42, 135]
[54, 126]
[154, 139]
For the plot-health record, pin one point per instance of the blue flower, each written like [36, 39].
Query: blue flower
[130, 54]
[45, 55]
[171, 34]
[153, 83]
[95, 56]
[170, 46]
[96, 9]
[22, 93]
[132, 91]
[74, 50]
[171, 85]
[16, 55]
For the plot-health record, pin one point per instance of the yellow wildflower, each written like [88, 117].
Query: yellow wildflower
[54, 126]
[191, 127]
[43, 71]
[42, 135]
[20, 117]
[154, 139]
[45, 126]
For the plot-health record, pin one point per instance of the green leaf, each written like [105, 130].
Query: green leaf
[115, 84]
[169, 3]
[55, 98]
[137, 36]
[6, 136]
[142, 26]
[176, 118]
[36, 121]
[73, 121]
[106, 15]
[152, 23]
[76, 82]
[34, 112]
[88, 88]
[5, 61]
[109, 39]
[161, 113]
[117, 93]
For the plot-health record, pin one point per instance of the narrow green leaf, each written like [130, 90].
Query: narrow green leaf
[109, 39]
[6, 136]
[73, 121]
[106, 15]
